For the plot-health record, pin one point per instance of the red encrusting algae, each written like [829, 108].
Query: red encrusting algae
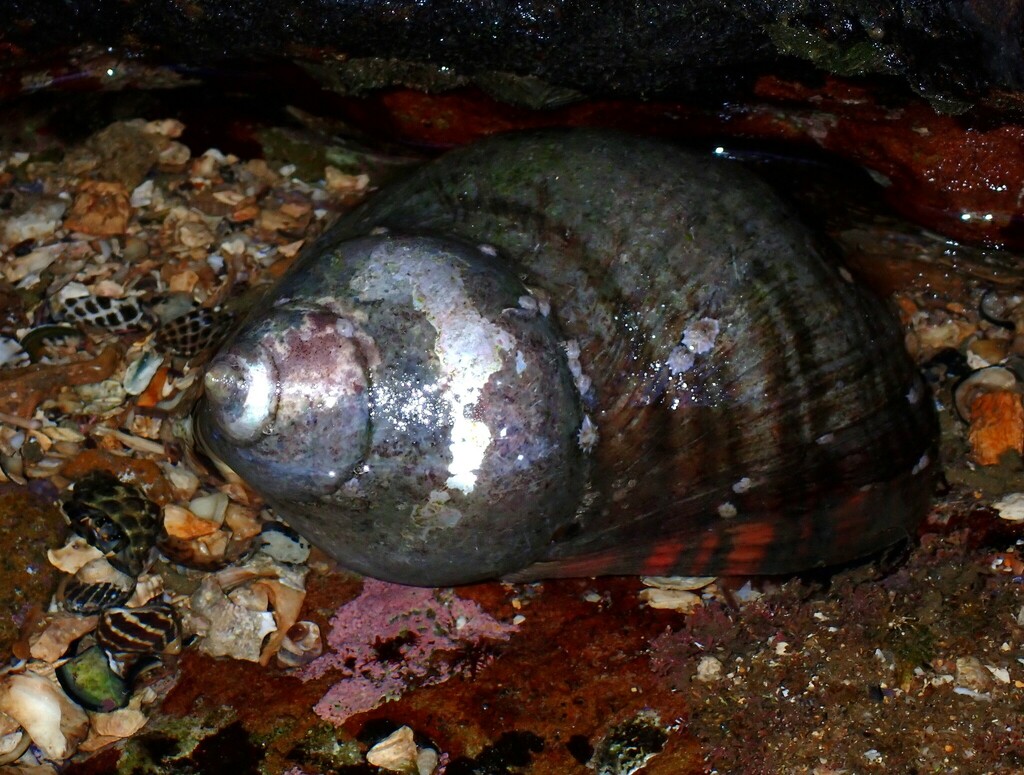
[392, 639]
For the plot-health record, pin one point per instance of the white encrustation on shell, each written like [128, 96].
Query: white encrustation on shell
[468, 346]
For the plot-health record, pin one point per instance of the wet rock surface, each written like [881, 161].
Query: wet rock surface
[30, 524]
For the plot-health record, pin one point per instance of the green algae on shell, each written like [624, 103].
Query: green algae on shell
[89, 680]
[575, 353]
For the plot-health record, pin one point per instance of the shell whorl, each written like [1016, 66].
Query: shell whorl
[737, 404]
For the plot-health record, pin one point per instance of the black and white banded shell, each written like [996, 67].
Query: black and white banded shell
[149, 629]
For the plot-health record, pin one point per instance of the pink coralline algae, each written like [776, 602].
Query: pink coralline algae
[394, 638]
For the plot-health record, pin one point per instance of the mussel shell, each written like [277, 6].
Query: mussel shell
[752, 409]
[116, 518]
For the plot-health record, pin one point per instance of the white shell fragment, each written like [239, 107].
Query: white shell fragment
[211, 507]
[100, 571]
[395, 753]
[74, 555]
[40, 220]
[110, 727]
[674, 593]
[140, 373]
[671, 599]
[61, 631]
[180, 522]
[55, 724]
[678, 582]
[11, 352]
[283, 544]
[709, 669]
[14, 741]
[226, 628]
[1011, 507]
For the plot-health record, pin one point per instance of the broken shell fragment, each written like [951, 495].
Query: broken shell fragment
[13, 742]
[689, 583]
[52, 642]
[206, 552]
[140, 373]
[395, 753]
[182, 523]
[1011, 507]
[282, 543]
[12, 354]
[987, 380]
[671, 599]
[52, 721]
[147, 587]
[75, 554]
[210, 507]
[107, 728]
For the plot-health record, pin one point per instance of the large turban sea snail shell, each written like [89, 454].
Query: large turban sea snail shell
[569, 353]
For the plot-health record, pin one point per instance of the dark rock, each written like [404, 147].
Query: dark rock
[952, 51]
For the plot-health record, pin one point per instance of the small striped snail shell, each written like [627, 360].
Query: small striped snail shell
[148, 629]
